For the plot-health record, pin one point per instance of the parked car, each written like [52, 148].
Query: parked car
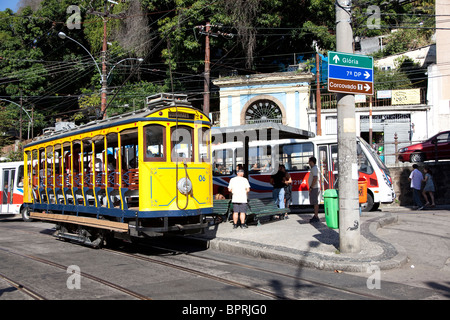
[436, 147]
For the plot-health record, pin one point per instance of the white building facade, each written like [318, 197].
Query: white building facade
[278, 97]
[287, 98]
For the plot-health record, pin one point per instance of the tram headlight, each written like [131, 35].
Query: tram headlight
[184, 185]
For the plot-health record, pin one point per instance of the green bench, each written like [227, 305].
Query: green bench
[259, 208]
[222, 210]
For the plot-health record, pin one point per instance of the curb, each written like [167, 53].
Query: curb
[393, 256]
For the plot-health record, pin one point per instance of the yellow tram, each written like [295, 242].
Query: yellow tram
[143, 173]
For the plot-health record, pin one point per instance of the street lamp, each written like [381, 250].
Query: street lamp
[63, 36]
[31, 120]
[103, 76]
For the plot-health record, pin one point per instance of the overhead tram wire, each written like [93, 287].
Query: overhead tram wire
[63, 83]
[66, 81]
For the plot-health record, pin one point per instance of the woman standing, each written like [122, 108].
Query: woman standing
[429, 187]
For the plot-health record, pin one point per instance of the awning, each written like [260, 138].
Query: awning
[260, 131]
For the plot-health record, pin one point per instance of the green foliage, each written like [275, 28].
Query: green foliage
[412, 24]
[402, 41]
[57, 78]
[406, 74]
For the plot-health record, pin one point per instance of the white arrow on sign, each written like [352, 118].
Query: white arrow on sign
[367, 75]
[366, 87]
[336, 59]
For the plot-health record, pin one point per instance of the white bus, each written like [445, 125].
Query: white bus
[265, 156]
[11, 187]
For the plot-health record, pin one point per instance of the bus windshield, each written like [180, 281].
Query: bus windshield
[378, 161]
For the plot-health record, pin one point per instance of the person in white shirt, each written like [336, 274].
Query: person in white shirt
[239, 188]
[416, 178]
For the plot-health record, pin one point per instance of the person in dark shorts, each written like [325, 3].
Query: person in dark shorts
[239, 188]
[314, 188]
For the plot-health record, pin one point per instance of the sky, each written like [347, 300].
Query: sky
[12, 4]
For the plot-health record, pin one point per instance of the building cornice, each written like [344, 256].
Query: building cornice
[264, 78]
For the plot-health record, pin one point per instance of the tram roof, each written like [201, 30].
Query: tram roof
[138, 115]
[260, 131]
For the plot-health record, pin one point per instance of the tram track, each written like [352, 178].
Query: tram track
[259, 269]
[146, 259]
[63, 267]
[27, 291]
[198, 273]
[161, 260]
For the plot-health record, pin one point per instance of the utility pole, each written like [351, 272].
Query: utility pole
[104, 80]
[318, 101]
[206, 30]
[20, 124]
[206, 95]
[370, 122]
[349, 220]
[32, 122]
[105, 15]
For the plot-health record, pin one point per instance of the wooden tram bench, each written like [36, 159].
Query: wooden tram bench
[257, 209]
[260, 208]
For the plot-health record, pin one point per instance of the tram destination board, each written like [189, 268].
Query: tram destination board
[350, 73]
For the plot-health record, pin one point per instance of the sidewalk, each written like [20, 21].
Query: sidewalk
[299, 242]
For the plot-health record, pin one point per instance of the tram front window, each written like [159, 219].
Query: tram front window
[204, 144]
[182, 144]
[154, 143]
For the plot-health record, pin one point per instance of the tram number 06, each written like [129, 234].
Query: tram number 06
[201, 178]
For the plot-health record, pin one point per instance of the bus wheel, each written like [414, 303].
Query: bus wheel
[26, 214]
[368, 206]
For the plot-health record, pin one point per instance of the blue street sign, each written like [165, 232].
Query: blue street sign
[350, 73]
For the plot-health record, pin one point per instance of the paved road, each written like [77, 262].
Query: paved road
[425, 235]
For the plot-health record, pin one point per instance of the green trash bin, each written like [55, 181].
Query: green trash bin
[331, 206]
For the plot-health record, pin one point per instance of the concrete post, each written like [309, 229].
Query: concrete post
[349, 220]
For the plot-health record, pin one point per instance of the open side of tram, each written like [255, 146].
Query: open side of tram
[265, 156]
[145, 173]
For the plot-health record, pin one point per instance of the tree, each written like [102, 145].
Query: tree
[59, 79]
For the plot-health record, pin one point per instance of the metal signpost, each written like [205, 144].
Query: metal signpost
[350, 73]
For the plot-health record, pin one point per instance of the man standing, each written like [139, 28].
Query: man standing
[416, 178]
[314, 188]
[239, 187]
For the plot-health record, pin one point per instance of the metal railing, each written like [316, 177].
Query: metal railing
[386, 157]
[329, 101]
